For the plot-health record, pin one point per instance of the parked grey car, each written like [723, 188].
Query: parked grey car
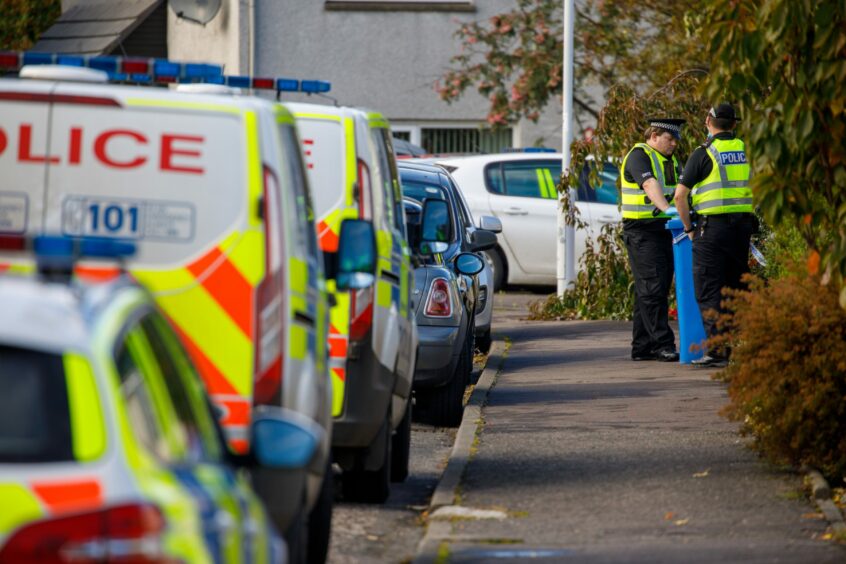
[422, 179]
[444, 301]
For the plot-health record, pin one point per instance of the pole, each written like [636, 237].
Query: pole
[566, 269]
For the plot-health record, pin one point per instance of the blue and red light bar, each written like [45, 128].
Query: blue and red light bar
[118, 68]
[276, 84]
[159, 71]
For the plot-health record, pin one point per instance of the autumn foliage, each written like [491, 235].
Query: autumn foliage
[23, 21]
[787, 378]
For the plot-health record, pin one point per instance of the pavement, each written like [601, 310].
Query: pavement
[586, 456]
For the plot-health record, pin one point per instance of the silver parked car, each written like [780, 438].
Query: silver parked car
[444, 301]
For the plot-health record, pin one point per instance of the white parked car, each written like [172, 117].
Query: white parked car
[520, 190]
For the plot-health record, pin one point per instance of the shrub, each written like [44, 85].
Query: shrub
[787, 378]
[604, 287]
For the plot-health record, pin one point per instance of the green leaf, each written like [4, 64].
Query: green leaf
[806, 126]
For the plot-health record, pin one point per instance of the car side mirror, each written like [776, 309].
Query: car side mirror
[469, 264]
[483, 240]
[435, 227]
[356, 257]
[283, 439]
[490, 223]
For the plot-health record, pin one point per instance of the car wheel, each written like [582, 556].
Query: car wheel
[483, 342]
[401, 447]
[371, 486]
[445, 405]
[497, 263]
[320, 520]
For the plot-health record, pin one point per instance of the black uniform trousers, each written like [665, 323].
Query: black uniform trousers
[720, 259]
[650, 249]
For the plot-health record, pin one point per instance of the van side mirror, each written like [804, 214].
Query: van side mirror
[283, 439]
[356, 257]
[490, 223]
[435, 227]
[483, 240]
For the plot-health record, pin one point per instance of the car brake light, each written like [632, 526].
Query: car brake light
[439, 303]
[364, 190]
[12, 243]
[361, 301]
[269, 305]
[122, 534]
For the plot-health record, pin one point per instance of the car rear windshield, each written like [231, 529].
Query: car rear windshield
[35, 424]
[420, 191]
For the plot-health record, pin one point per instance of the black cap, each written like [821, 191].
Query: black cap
[673, 125]
[724, 111]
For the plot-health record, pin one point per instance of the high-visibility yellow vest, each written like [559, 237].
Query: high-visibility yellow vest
[636, 204]
[726, 189]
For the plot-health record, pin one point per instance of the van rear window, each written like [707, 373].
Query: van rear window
[323, 147]
[35, 424]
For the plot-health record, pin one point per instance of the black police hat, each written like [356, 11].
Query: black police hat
[673, 125]
[724, 111]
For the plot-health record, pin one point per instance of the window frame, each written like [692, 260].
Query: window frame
[402, 5]
[501, 166]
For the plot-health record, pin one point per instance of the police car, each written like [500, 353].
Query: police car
[109, 449]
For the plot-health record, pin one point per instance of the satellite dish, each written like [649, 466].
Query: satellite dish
[197, 11]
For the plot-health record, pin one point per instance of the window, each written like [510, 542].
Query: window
[464, 210]
[135, 389]
[387, 174]
[35, 424]
[295, 176]
[527, 179]
[186, 393]
[605, 192]
[420, 191]
[411, 5]
[466, 140]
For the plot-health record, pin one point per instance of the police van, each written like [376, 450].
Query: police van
[373, 336]
[212, 189]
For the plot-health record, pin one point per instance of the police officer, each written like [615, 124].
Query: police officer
[717, 176]
[649, 179]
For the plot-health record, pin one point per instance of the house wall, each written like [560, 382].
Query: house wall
[224, 40]
[385, 60]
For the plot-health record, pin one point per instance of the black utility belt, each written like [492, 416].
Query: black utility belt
[734, 216]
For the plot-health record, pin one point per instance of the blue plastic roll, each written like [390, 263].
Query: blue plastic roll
[692, 332]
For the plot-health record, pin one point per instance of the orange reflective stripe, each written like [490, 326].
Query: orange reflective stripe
[239, 446]
[340, 373]
[227, 286]
[70, 495]
[328, 238]
[236, 409]
[4, 267]
[338, 346]
[216, 382]
[96, 273]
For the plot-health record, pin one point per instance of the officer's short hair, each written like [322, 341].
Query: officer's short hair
[659, 131]
[723, 124]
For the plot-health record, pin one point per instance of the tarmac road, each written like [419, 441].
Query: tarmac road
[363, 533]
